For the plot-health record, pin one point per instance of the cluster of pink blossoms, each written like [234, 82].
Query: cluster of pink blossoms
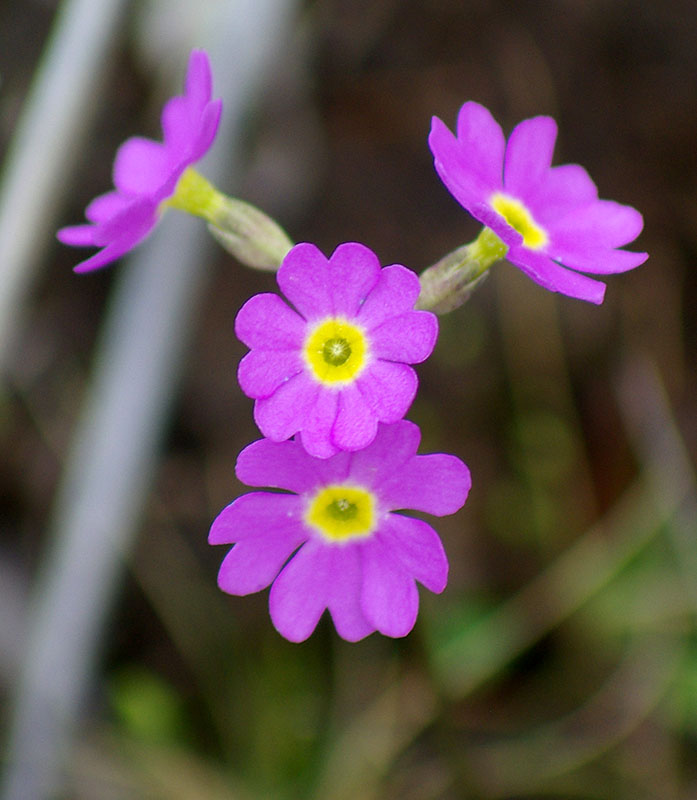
[329, 367]
[333, 372]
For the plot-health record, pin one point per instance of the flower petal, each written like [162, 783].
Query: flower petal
[355, 425]
[550, 275]
[266, 321]
[106, 206]
[353, 272]
[304, 278]
[115, 214]
[334, 469]
[253, 564]
[177, 120]
[133, 223]
[529, 154]
[481, 137]
[408, 337]
[315, 433]
[189, 131]
[393, 445]
[562, 189]
[418, 548]
[389, 597]
[498, 224]
[110, 253]
[435, 483]
[395, 292]
[190, 121]
[597, 260]
[261, 372]
[603, 223]
[199, 79]
[207, 130]
[141, 167]
[344, 594]
[281, 465]
[284, 413]
[298, 596]
[319, 577]
[388, 388]
[253, 515]
[77, 235]
[457, 167]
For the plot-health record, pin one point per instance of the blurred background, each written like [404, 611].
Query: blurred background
[561, 661]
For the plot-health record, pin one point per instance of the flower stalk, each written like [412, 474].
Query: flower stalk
[451, 281]
[250, 235]
[247, 233]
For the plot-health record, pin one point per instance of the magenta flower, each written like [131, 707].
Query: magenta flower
[147, 173]
[335, 543]
[549, 218]
[338, 364]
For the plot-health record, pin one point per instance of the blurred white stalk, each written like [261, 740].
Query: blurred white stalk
[110, 468]
[45, 144]
[654, 432]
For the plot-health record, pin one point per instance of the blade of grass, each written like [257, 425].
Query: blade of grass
[46, 143]
[530, 762]
[111, 464]
[657, 441]
[481, 651]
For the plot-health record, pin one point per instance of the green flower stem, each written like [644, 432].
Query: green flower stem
[450, 282]
[242, 229]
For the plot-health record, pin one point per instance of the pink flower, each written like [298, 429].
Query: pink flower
[338, 364]
[146, 172]
[335, 542]
[550, 218]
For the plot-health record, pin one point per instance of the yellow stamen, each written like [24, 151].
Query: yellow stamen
[336, 351]
[518, 217]
[341, 513]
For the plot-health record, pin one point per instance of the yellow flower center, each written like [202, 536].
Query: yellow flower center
[336, 351]
[518, 217]
[341, 513]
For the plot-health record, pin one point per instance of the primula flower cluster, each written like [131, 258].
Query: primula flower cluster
[334, 372]
[330, 363]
